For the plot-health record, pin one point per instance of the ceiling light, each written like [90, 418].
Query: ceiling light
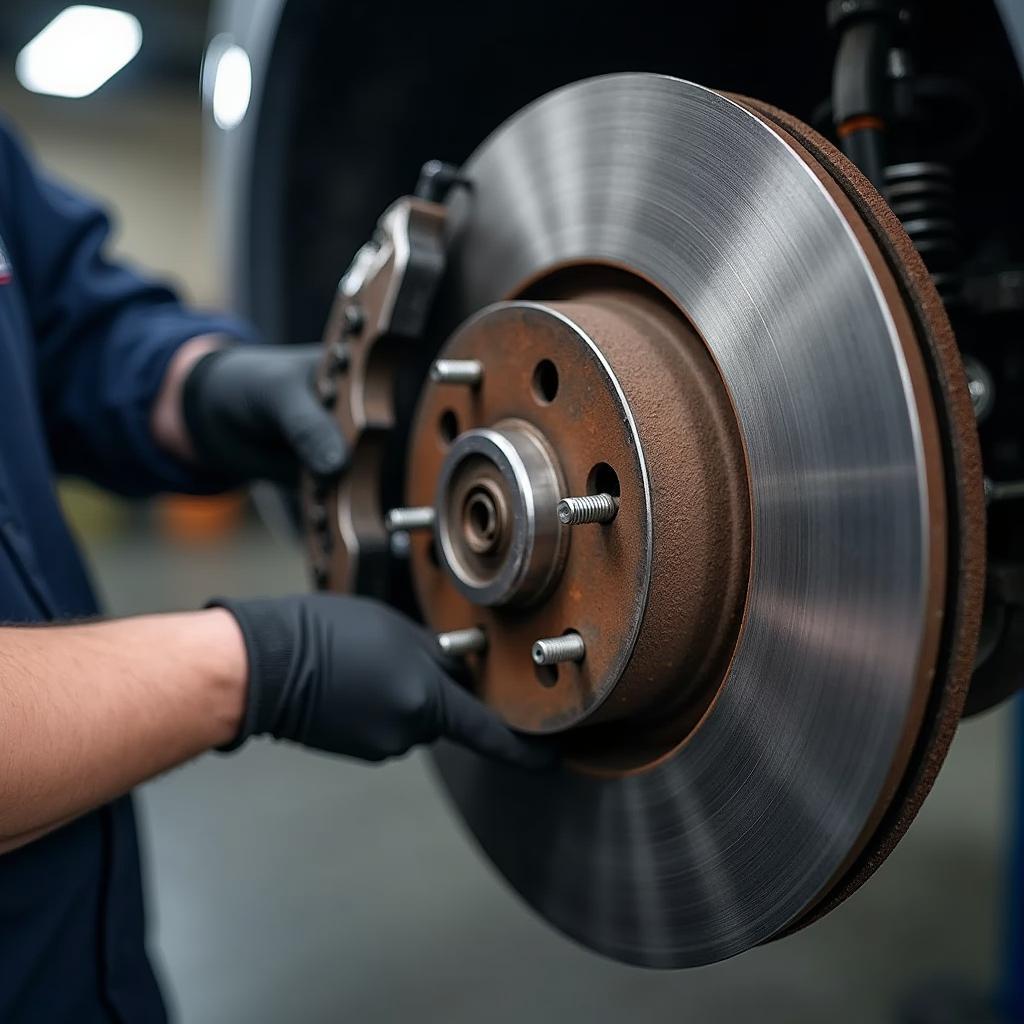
[231, 87]
[78, 51]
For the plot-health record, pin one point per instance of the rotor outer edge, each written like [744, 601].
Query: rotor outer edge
[964, 499]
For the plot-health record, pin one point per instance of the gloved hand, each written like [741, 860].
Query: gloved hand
[352, 676]
[251, 414]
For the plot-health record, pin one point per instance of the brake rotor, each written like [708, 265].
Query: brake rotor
[689, 311]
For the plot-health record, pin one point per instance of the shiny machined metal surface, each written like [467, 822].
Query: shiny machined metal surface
[468, 372]
[458, 642]
[507, 476]
[588, 508]
[556, 649]
[409, 519]
[736, 835]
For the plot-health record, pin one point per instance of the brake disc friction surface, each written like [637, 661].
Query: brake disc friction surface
[737, 833]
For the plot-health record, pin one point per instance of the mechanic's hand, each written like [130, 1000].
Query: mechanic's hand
[352, 676]
[251, 414]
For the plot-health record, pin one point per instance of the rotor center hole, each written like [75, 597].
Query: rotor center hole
[481, 521]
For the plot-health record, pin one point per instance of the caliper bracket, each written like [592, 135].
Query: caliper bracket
[375, 324]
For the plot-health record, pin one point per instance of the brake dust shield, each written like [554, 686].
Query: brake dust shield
[693, 305]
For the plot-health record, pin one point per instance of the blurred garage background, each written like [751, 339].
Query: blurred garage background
[286, 886]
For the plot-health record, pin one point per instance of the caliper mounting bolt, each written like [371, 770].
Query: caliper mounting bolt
[436, 180]
[321, 576]
[339, 355]
[327, 390]
[355, 320]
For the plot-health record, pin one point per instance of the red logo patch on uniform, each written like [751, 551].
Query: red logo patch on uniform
[6, 270]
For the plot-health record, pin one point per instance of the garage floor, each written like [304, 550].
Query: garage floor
[289, 886]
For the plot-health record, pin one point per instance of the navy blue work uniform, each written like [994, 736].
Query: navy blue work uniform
[84, 345]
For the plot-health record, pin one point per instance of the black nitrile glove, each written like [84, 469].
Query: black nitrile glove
[352, 676]
[251, 414]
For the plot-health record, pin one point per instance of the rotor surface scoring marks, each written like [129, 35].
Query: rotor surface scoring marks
[735, 836]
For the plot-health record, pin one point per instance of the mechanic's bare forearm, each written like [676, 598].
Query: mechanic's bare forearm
[89, 711]
[167, 419]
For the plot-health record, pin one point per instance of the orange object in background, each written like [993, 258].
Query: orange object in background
[190, 520]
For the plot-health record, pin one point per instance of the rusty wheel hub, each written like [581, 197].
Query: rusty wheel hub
[568, 393]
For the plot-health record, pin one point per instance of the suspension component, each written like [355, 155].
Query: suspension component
[921, 195]
[859, 87]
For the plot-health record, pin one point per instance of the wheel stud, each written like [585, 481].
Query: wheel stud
[462, 641]
[556, 649]
[590, 508]
[469, 372]
[421, 518]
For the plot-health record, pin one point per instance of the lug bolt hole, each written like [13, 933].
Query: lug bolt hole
[602, 479]
[448, 425]
[545, 381]
[547, 675]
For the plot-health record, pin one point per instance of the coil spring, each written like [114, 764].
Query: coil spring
[921, 195]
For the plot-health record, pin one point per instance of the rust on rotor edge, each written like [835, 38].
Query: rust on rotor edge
[381, 310]
[656, 651]
[949, 426]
